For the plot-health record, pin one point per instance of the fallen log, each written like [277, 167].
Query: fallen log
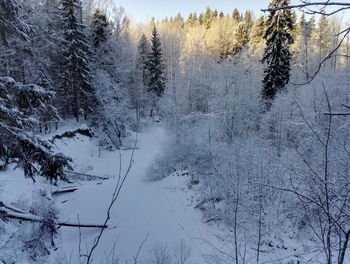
[33, 218]
[82, 225]
[81, 176]
[64, 190]
[2, 204]
[71, 134]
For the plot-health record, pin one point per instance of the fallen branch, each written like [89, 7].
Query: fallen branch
[37, 219]
[64, 190]
[324, 4]
[81, 176]
[337, 114]
[2, 204]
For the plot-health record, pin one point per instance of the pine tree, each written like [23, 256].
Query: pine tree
[100, 24]
[277, 54]
[157, 79]
[77, 95]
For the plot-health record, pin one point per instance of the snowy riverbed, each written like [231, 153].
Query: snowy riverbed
[163, 211]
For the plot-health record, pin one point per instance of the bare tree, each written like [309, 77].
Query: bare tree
[160, 255]
[324, 194]
[182, 252]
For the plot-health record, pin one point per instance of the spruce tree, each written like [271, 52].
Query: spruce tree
[156, 69]
[12, 25]
[100, 24]
[142, 60]
[23, 108]
[10, 22]
[277, 54]
[77, 95]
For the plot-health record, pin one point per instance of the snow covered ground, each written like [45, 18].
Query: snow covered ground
[158, 209]
[163, 211]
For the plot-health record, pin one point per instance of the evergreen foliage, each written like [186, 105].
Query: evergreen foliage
[157, 78]
[22, 108]
[10, 22]
[100, 25]
[277, 54]
[77, 94]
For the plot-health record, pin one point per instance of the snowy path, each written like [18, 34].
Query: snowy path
[160, 209]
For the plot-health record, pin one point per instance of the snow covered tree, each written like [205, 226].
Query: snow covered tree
[99, 23]
[141, 76]
[256, 40]
[23, 107]
[241, 37]
[277, 54]
[11, 25]
[142, 60]
[10, 22]
[157, 78]
[107, 66]
[77, 94]
[305, 41]
[323, 40]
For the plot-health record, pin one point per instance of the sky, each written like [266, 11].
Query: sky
[143, 10]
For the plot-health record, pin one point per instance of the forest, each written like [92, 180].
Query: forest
[212, 137]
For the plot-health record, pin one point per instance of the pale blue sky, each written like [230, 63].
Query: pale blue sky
[142, 10]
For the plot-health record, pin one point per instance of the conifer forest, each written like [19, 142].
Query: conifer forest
[209, 137]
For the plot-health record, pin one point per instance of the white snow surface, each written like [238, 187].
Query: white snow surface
[162, 210]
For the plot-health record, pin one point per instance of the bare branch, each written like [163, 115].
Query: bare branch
[323, 5]
[116, 193]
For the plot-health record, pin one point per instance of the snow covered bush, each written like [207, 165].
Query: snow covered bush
[30, 241]
[40, 240]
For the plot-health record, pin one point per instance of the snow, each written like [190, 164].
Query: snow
[164, 210]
